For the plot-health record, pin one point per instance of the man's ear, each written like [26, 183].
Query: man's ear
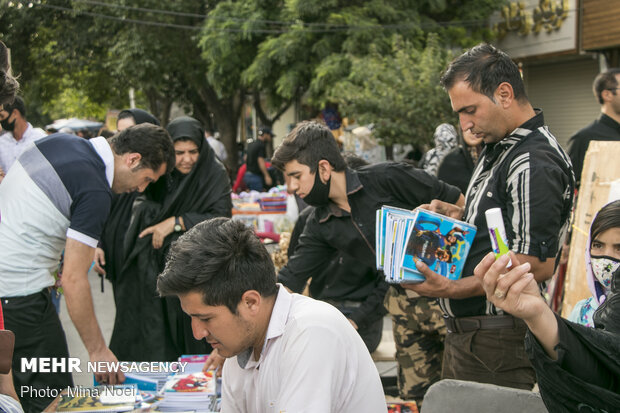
[607, 95]
[504, 94]
[251, 301]
[324, 170]
[133, 159]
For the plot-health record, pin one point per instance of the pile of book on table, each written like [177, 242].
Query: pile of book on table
[189, 390]
[404, 237]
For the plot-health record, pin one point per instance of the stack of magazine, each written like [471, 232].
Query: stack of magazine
[189, 392]
[405, 237]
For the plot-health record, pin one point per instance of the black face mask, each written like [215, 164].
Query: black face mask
[319, 194]
[8, 126]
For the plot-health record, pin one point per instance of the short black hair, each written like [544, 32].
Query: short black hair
[605, 81]
[8, 84]
[608, 217]
[18, 104]
[221, 259]
[150, 141]
[484, 67]
[309, 143]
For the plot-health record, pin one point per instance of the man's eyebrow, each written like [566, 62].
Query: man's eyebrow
[293, 173]
[464, 108]
[201, 315]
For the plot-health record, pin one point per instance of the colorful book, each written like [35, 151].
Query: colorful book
[407, 237]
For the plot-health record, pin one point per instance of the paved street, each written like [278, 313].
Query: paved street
[105, 310]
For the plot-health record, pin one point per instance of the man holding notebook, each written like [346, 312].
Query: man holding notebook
[524, 172]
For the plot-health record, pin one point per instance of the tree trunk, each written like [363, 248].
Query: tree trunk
[226, 112]
[159, 106]
[389, 152]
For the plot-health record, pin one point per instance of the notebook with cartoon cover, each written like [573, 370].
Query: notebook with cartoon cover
[440, 242]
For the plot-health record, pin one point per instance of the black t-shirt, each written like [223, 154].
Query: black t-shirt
[602, 129]
[255, 150]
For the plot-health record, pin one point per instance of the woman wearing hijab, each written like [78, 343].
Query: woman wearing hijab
[457, 166]
[577, 367]
[131, 117]
[445, 140]
[149, 328]
[602, 259]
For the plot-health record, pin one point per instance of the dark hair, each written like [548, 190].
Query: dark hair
[353, 161]
[8, 84]
[605, 81]
[221, 259]
[309, 143]
[484, 68]
[608, 217]
[18, 104]
[150, 141]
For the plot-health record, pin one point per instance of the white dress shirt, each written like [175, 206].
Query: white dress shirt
[313, 360]
[10, 149]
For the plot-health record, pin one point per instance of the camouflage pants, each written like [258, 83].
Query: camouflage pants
[419, 332]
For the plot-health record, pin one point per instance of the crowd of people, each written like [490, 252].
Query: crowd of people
[151, 207]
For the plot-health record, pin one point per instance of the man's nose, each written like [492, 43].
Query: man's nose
[198, 330]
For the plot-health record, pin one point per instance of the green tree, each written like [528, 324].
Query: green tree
[315, 49]
[399, 92]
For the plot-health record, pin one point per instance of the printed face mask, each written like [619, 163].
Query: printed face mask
[603, 268]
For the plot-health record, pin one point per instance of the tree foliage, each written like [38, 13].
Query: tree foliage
[80, 56]
[398, 92]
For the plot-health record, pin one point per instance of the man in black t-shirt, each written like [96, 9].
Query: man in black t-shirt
[257, 176]
[606, 127]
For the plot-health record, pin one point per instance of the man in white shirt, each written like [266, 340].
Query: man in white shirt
[19, 134]
[285, 352]
[217, 145]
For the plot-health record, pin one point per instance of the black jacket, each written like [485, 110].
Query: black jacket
[330, 230]
[602, 129]
[586, 376]
[456, 168]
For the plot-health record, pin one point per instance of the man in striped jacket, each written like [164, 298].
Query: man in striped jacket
[524, 172]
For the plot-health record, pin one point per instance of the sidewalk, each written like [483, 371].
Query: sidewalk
[104, 310]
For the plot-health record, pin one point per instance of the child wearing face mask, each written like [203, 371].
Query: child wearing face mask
[602, 260]
[577, 367]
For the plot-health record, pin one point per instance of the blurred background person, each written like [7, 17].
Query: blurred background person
[457, 166]
[18, 133]
[445, 139]
[130, 117]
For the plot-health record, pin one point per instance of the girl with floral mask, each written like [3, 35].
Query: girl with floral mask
[602, 261]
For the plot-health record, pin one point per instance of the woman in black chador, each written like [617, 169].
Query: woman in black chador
[149, 328]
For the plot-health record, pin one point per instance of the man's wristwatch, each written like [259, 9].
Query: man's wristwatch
[177, 225]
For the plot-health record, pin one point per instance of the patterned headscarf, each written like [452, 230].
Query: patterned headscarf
[445, 140]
